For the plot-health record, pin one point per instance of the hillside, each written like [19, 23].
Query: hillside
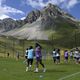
[41, 25]
[29, 31]
[8, 24]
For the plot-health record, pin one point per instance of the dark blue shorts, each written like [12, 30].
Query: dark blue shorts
[38, 58]
[66, 58]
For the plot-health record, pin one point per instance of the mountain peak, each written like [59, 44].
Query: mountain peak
[50, 11]
[37, 22]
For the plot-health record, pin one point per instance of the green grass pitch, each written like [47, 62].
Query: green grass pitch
[10, 69]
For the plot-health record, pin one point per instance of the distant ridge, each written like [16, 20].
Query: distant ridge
[40, 24]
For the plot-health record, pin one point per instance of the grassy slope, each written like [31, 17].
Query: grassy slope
[64, 36]
[10, 69]
[28, 31]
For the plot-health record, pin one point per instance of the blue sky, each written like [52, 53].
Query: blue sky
[18, 9]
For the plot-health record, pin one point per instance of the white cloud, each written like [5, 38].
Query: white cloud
[2, 2]
[61, 0]
[4, 16]
[39, 3]
[22, 18]
[67, 4]
[34, 3]
[6, 10]
[72, 3]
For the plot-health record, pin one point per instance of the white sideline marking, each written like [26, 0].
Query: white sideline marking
[69, 76]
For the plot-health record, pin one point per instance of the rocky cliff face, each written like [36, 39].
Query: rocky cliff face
[51, 17]
[32, 16]
[9, 24]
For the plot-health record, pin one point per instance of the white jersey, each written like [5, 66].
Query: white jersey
[71, 54]
[76, 54]
[57, 54]
[54, 53]
[26, 54]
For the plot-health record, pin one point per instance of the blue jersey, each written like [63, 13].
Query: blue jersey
[30, 54]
